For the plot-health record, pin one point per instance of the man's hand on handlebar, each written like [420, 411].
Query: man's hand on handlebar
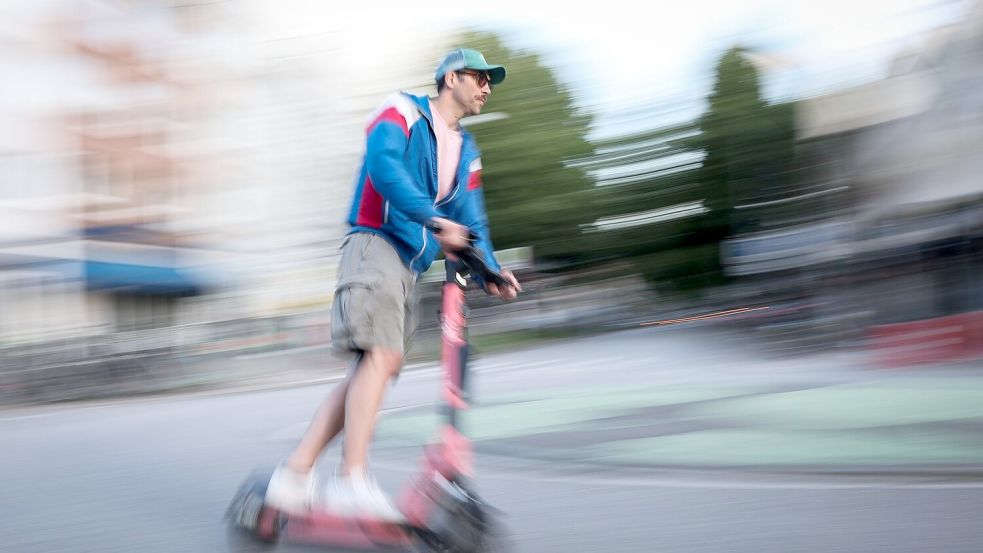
[452, 236]
[505, 292]
[455, 238]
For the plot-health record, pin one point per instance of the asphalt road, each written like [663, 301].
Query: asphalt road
[155, 475]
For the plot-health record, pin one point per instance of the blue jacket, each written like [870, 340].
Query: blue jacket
[397, 184]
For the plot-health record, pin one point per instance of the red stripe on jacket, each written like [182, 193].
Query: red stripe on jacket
[474, 180]
[369, 207]
[391, 115]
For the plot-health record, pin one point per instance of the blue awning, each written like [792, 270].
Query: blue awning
[138, 279]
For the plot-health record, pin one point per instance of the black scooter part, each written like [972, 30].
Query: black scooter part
[252, 523]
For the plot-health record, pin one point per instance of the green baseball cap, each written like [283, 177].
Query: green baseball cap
[466, 58]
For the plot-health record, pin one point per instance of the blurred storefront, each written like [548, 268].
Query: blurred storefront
[896, 257]
[173, 180]
[108, 184]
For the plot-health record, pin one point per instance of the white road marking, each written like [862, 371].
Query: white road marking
[736, 480]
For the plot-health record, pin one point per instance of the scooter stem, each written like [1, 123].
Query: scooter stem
[454, 351]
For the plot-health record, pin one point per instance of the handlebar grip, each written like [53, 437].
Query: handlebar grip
[473, 258]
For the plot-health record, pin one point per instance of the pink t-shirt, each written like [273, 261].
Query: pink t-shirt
[448, 153]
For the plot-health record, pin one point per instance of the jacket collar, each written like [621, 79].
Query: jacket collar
[423, 104]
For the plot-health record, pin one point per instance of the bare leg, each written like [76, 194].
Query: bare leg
[328, 422]
[365, 393]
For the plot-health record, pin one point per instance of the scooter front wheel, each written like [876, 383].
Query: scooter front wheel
[462, 523]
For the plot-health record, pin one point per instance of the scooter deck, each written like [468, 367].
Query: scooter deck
[322, 527]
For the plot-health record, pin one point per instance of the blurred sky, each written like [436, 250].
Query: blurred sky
[620, 55]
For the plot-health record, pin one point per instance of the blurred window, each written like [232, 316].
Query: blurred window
[142, 312]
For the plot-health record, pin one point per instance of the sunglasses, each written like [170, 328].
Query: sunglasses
[480, 78]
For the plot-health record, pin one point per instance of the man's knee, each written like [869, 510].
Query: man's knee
[387, 360]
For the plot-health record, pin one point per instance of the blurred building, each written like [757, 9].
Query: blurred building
[174, 177]
[890, 177]
[121, 150]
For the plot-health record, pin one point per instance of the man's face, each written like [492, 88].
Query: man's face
[472, 90]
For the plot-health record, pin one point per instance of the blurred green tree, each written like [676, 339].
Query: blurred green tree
[749, 147]
[683, 181]
[662, 198]
[534, 196]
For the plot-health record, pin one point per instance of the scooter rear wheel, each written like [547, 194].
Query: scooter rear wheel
[252, 524]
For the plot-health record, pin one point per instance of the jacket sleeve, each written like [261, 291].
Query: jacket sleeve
[385, 158]
[469, 209]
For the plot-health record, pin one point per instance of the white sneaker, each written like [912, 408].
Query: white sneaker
[358, 494]
[290, 491]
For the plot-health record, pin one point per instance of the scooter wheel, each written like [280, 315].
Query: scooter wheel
[252, 524]
[491, 539]
[466, 526]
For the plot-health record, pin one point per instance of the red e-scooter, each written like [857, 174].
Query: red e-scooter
[442, 511]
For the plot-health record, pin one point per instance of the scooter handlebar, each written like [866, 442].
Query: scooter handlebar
[472, 258]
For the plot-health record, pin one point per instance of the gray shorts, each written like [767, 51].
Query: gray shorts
[375, 298]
